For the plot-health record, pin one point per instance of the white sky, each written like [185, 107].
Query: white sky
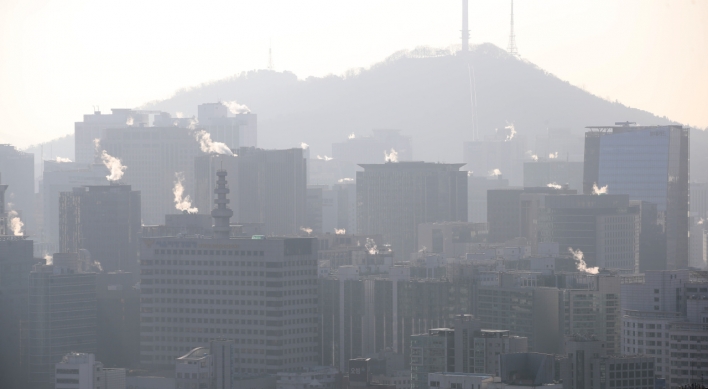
[59, 58]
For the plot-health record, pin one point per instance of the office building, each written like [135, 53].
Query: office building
[605, 228]
[63, 177]
[314, 213]
[393, 198]
[374, 149]
[589, 366]
[62, 319]
[17, 172]
[236, 130]
[553, 172]
[16, 261]
[458, 380]
[430, 353]
[83, 371]
[664, 316]
[325, 377]
[450, 239]
[488, 345]
[268, 186]
[500, 155]
[152, 157]
[504, 212]
[526, 371]
[91, 128]
[262, 293]
[514, 302]
[699, 200]
[103, 220]
[699, 245]
[477, 188]
[648, 164]
[194, 369]
[117, 319]
[559, 143]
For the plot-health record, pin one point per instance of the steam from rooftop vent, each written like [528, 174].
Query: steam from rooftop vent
[599, 190]
[236, 108]
[512, 132]
[340, 231]
[580, 262]
[371, 246]
[306, 230]
[494, 173]
[352, 136]
[553, 155]
[326, 158]
[554, 185]
[49, 259]
[345, 180]
[114, 165]
[209, 146]
[182, 203]
[391, 157]
[129, 121]
[304, 146]
[179, 114]
[16, 224]
[62, 160]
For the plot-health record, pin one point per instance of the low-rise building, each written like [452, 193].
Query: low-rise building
[194, 370]
[459, 380]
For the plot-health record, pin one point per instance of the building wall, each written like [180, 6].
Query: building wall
[17, 172]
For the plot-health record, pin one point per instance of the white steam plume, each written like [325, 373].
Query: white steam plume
[129, 121]
[62, 160]
[236, 108]
[553, 155]
[192, 124]
[179, 115]
[470, 173]
[371, 246]
[700, 221]
[391, 157]
[554, 185]
[512, 132]
[423, 249]
[494, 173]
[352, 136]
[599, 190]
[306, 230]
[98, 265]
[345, 180]
[531, 155]
[340, 231]
[49, 260]
[580, 262]
[182, 203]
[113, 164]
[209, 146]
[304, 146]
[16, 224]
[326, 158]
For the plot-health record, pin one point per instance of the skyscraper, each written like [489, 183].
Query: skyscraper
[393, 198]
[236, 131]
[266, 186]
[105, 221]
[17, 170]
[648, 163]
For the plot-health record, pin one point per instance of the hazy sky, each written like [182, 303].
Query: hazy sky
[59, 58]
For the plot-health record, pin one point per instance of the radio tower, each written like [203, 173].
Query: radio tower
[512, 49]
[270, 56]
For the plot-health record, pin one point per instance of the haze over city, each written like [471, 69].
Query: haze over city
[463, 194]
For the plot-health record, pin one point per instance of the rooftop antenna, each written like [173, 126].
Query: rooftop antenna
[512, 49]
[270, 55]
[465, 29]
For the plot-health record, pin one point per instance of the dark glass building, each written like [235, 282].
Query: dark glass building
[650, 164]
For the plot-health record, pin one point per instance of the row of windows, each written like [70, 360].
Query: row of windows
[208, 252]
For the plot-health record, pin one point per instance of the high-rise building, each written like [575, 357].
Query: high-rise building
[315, 202]
[698, 258]
[588, 365]
[103, 220]
[378, 148]
[16, 261]
[153, 156]
[648, 163]
[235, 130]
[393, 198]
[91, 128]
[63, 177]
[477, 188]
[117, 319]
[503, 155]
[17, 171]
[268, 186]
[699, 200]
[62, 319]
[450, 239]
[553, 172]
[262, 293]
[605, 228]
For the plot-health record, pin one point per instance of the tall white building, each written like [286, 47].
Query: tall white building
[260, 292]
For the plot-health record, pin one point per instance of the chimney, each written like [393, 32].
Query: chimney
[221, 214]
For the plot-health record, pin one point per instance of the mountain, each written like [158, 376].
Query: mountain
[425, 94]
